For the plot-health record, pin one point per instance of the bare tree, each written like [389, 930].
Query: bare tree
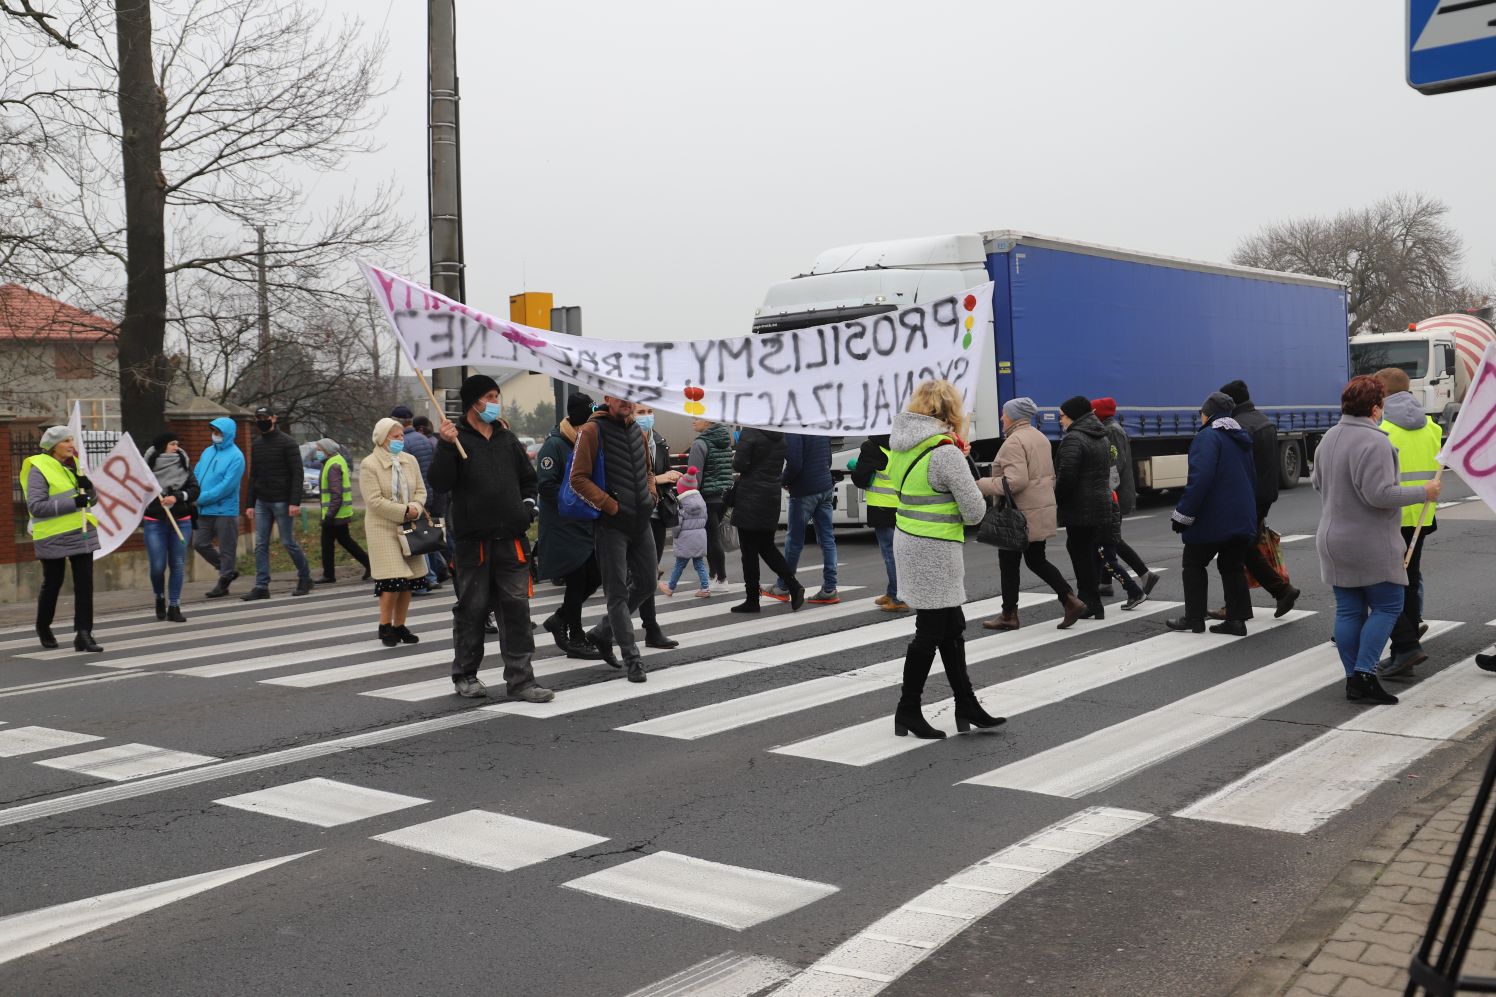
[1399, 258]
[213, 108]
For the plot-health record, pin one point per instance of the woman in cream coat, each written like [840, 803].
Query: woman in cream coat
[390, 482]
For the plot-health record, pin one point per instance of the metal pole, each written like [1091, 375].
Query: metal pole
[264, 293]
[444, 180]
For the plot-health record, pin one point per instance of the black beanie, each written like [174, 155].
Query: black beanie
[1076, 407]
[578, 409]
[1238, 392]
[474, 388]
[1219, 403]
[160, 442]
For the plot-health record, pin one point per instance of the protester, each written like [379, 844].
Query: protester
[1418, 440]
[337, 509]
[419, 445]
[63, 533]
[1216, 517]
[1025, 462]
[394, 494]
[938, 498]
[666, 514]
[565, 547]
[1125, 495]
[812, 500]
[219, 472]
[1082, 496]
[712, 452]
[625, 540]
[275, 502]
[165, 546]
[1265, 479]
[870, 472]
[690, 536]
[1359, 542]
[493, 503]
[759, 461]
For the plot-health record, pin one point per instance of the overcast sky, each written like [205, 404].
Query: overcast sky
[661, 163]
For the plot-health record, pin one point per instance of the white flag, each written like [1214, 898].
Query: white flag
[75, 426]
[125, 486]
[1470, 448]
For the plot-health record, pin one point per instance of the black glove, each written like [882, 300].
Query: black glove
[85, 482]
[532, 509]
[1177, 526]
[82, 501]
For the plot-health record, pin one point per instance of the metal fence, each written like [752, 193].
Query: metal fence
[97, 443]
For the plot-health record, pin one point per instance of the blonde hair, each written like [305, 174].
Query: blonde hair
[939, 400]
[1394, 380]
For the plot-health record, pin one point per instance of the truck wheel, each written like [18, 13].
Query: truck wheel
[1290, 464]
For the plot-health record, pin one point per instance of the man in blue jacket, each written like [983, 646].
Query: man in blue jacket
[219, 471]
[1217, 514]
[807, 477]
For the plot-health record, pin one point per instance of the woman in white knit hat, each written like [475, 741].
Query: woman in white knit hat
[63, 533]
[390, 481]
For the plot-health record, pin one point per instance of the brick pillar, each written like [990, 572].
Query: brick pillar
[9, 527]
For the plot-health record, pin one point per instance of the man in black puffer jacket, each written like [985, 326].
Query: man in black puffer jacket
[626, 498]
[1265, 463]
[493, 495]
[1082, 492]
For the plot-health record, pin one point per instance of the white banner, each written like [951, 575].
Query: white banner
[125, 486]
[75, 426]
[1470, 448]
[845, 378]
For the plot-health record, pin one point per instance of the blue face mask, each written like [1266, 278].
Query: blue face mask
[396, 446]
[491, 411]
[319, 456]
[645, 422]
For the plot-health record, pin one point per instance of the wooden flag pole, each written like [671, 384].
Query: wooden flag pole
[441, 412]
[172, 519]
[1438, 477]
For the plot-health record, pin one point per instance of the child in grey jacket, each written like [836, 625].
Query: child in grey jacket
[690, 536]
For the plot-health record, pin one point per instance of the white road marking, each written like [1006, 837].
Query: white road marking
[323, 802]
[23, 934]
[873, 741]
[69, 683]
[1299, 791]
[1448, 505]
[73, 802]
[1108, 756]
[490, 840]
[731, 974]
[727, 895]
[893, 945]
[126, 761]
[671, 678]
[28, 740]
[1294, 538]
[688, 725]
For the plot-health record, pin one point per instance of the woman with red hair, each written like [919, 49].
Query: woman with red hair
[1360, 542]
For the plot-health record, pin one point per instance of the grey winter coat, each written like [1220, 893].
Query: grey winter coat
[1360, 539]
[690, 531]
[932, 573]
[1083, 467]
[43, 506]
[1127, 483]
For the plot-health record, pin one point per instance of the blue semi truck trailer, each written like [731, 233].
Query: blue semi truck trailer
[1156, 333]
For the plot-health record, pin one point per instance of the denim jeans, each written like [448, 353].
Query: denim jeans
[164, 549]
[277, 515]
[1364, 618]
[680, 569]
[885, 544]
[816, 509]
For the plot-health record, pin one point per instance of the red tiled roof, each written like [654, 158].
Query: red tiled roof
[30, 315]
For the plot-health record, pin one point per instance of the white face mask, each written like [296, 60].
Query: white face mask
[217, 437]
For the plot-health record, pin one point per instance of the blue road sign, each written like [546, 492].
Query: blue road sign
[1451, 44]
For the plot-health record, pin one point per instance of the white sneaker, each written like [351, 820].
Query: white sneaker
[721, 585]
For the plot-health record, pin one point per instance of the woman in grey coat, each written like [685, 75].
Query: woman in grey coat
[63, 533]
[938, 497]
[1360, 541]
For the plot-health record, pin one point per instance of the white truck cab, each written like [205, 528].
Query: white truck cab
[1440, 355]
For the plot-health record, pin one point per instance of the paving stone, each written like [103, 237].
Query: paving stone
[1378, 975]
[1345, 949]
[1360, 988]
[1316, 985]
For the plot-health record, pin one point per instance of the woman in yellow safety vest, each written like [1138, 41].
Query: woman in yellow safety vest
[62, 531]
[938, 499]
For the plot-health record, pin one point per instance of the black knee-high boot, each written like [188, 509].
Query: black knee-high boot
[969, 712]
[908, 719]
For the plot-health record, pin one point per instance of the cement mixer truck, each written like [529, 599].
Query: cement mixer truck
[1440, 355]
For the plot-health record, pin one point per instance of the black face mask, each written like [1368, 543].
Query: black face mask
[264, 425]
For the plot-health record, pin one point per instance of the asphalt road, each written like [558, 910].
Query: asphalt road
[784, 841]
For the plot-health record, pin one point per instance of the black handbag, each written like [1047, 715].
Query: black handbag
[1004, 526]
[419, 537]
